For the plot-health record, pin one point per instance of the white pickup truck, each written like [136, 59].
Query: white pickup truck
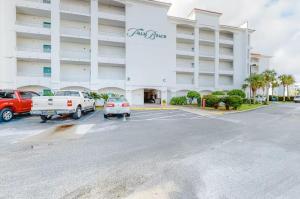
[63, 103]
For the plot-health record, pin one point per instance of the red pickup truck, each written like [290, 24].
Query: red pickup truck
[14, 102]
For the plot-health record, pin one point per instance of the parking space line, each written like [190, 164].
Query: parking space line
[151, 114]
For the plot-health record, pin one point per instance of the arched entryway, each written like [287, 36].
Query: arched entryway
[42, 90]
[152, 96]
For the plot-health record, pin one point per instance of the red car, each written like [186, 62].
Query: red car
[14, 102]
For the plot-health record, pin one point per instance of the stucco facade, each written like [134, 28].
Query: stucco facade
[119, 46]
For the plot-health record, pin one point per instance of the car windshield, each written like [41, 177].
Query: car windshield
[67, 93]
[7, 95]
[117, 99]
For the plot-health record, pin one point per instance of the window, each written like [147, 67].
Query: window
[25, 95]
[47, 71]
[86, 95]
[47, 92]
[47, 48]
[67, 93]
[46, 24]
[34, 94]
[7, 95]
[47, 1]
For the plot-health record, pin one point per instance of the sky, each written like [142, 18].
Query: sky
[277, 25]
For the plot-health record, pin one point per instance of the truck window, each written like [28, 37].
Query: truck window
[7, 95]
[67, 93]
[25, 95]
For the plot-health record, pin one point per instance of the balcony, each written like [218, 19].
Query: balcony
[115, 37]
[225, 57]
[207, 55]
[33, 6]
[184, 69]
[185, 36]
[33, 80]
[71, 56]
[111, 59]
[185, 52]
[32, 30]
[75, 9]
[117, 16]
[75, 33]
[226, 42]
[32, 54]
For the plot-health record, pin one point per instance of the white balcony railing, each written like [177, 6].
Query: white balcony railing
[112, 16]
[185, 36]
[41, 1]
[84, 10]
[75, 55]
[75, 32]
[113, 34]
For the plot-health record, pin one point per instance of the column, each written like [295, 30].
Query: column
[217, 57]
[94, 44]
[129, 96]
[196, 57]
[8, 63]
[55, 44]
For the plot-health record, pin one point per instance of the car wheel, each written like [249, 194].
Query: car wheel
[105, 116]
[94, 107]
[6, 115]
[78, 113]
[128, 115]
[45, 118]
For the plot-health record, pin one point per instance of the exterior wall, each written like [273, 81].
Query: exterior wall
[144, 56]
[99, 45]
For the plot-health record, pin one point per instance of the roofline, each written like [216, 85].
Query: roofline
[206, 11]
[166, 4]
[236, 28]
[261, 55]
[182, 19]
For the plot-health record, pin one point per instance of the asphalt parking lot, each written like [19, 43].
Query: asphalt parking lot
[154, 154]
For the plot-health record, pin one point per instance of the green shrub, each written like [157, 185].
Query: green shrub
[104, 96]
[218, 93]
[95, 95]
[237, 92]
[233, 101]
[212, 101]
[179, 100]
[192, 95]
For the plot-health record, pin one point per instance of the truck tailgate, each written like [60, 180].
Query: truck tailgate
[50, 103]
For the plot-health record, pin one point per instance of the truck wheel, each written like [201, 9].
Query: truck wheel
[45, 118]
[6, 115]
[77, 114]
[94, 107]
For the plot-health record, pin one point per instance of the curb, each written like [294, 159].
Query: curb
[265, 106]
[152, 109]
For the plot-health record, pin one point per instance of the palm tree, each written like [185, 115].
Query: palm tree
[274, 84]
[269, 76]
[291, 81]
[284, 81]
[255, 82]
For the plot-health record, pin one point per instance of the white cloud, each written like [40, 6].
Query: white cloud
[277, 25]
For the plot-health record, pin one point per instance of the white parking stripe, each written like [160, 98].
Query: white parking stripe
[151, 114]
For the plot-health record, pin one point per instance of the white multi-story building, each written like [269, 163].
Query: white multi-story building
[129, 47]
[260, 63]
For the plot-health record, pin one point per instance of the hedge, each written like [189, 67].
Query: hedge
[237, 92]
[179, 100]
[212, 101]
[234, 101]
[218, 93]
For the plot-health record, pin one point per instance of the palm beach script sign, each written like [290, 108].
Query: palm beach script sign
[147, 34]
